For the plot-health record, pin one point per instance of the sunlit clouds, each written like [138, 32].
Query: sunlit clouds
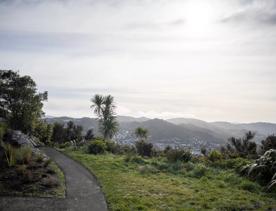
[207, 59]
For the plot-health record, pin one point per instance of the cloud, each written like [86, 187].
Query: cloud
[146, 54]
[252, 11]
[155, 25]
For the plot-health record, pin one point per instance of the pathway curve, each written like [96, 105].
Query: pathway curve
[82, 191]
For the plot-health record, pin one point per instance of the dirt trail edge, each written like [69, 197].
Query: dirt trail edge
[82, 191]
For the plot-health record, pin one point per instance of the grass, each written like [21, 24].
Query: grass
[153, 184]
[60, 190]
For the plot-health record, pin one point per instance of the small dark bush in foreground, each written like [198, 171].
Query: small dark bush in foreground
[263, 170]
[178, 154]
[97, 147]
[144, 149]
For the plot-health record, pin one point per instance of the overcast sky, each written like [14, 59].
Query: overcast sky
[207, 59]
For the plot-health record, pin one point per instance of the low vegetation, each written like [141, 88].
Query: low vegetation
[131, 182]
[28, 173]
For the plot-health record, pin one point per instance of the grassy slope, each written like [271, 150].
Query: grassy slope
[126, 188]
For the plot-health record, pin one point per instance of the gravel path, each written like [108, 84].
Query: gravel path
[82, 191]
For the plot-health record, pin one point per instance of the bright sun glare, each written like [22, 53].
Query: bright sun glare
[199, 16]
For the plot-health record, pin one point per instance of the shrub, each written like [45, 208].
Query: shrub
[64, 145]
[249, 186]
[203, 151]
[23, 155]
[3, 129]
[231, 163]
[134, 159]
[268, 143]
[97, 147]
[214, 155]
[178, 154]
[241, 147]
[10, 156]
[47, 163]
[263, 170]
[143, 148]
[199, 171]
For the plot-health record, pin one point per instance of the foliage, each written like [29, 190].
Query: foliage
[141, 133]
[14, 155]
[23, 155]
[104, 108]
[263, 170]
[89, 135]
[58, 135]
[214, 155]
[43, 132]
[268, 143]
[3, 129]
[97, 147]
[178, 154]
[73, 132]
[20, 103]
[143, 148]
[241, 147]
[231, 163]
[199, 171]
[9, 151]
[116, 148]
[139, 186]
[203, 151]
[62, 134]
[250, 186]
[36, 178]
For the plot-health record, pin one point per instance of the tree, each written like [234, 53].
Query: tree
[268, 143]
[241, 147]
[58, 135]
[43, 131]
[143, 148]
[89, 135]
[141, 133]
[104, 108]
[97, 105]
[20, 103]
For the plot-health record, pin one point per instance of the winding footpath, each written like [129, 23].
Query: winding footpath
[82, 191]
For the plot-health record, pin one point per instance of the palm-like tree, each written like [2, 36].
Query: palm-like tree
[141, 133]
[109, 127]
[104, 108]
[97, 105]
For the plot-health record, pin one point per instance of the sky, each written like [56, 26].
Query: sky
[209, 59]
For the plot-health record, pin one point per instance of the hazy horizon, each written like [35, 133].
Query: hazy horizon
[213, 60]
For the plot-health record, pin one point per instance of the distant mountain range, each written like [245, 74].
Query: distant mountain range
[178, 131]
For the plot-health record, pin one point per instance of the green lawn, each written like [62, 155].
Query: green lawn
[143, 185]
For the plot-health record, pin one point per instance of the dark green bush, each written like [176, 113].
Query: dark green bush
[134, 158]
[143, 148]
[199, 171]
[3, 129]
[97, 147]
[116, 148]
[268, 143]
[241, 147]
[263, 170]
[178, 154]
[250, 186]
[214, 155]
[231, 163]
[64, 145]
